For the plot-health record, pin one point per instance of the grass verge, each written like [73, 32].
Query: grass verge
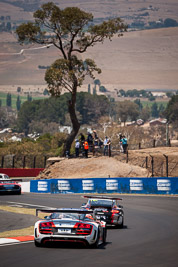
[19, 232]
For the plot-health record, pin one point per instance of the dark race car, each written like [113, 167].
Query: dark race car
[9, 186]
[106, 209]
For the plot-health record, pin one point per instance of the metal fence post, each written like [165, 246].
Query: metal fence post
[13, 161]
[34, 162]
[109, 152]
[127, 156]
[45, 161]
[154, 142]
[167, 165]
[152, 166]
[2, 162]
[146, 161]
[24, 159]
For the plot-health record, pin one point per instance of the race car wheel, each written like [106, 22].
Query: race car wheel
[120, 226]
[37, 244]
[96, 244]
[104, 235]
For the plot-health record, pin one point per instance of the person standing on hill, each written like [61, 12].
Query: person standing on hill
[86, 146]
[106, 141]
[124, 143]
[120, 143]
[82, 140]
[90, 141]
[77, 147]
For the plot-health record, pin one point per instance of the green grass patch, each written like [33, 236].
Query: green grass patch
[150, 103]
[3, 97]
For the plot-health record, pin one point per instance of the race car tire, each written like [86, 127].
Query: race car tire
[96, 244]
[104, 235]
[37, 244]
[120, 226]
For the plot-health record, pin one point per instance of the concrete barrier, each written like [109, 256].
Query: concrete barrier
[157, 185]
[25, 187]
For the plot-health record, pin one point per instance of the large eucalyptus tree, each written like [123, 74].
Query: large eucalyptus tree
[72, 31]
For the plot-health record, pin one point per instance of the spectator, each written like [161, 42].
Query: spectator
[106, 141]
[86, 146]
[120, 143]
[90, 141]
[96, 139]
[82, 140]
[124, 143]
[109, 147]
[77, 147]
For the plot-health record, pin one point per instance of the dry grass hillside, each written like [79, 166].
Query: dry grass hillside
[145, 59]
[140, 59]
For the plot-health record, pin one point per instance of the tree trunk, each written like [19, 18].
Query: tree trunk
[75, 124]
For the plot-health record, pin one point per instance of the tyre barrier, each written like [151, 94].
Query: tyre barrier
[157, 185]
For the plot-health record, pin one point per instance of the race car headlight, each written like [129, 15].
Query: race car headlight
[83, 228]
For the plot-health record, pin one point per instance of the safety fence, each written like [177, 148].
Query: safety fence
[27, 161]
[157, 166]
[39, 161]
[160, 165]
[106, 185]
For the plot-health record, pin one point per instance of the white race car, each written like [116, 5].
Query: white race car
[4, 176]
[69, 225]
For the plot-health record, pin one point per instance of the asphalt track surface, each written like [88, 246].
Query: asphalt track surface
[149, 238]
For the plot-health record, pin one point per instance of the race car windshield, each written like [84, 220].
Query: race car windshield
[70, 216]
[101, 203]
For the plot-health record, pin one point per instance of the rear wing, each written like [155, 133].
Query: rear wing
[103, 197]
[79, 211]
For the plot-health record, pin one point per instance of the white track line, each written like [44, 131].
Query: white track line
[30, 205]
[16, 243]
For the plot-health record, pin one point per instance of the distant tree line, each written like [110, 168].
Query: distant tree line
[171, 111]
[136, 93]
[28, 5]
[43, 67]
[89, 109]
[46, 115]
[140, 24]
[36, 114]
